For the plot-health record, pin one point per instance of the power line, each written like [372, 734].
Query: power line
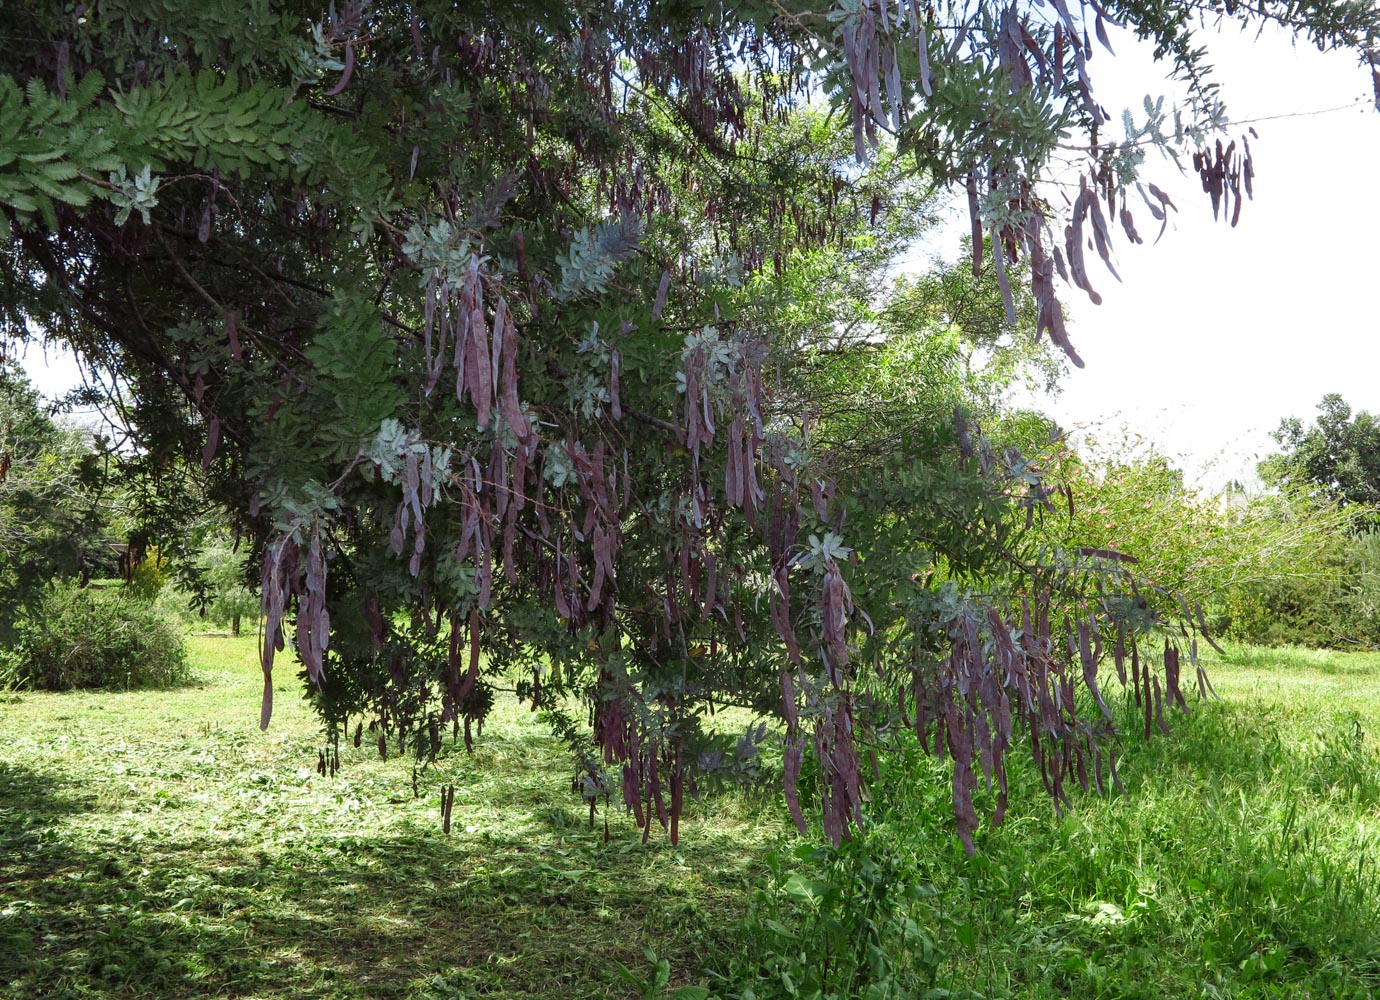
[1298, 114]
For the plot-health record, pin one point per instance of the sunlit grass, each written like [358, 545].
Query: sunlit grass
[158, 844]
[1239, 863]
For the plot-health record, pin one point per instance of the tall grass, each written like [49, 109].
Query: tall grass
[1239, 862]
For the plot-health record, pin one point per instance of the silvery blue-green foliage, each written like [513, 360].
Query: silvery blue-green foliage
[443, 254]
[298, 506]
[133, 194]
[395, 446]
[820, 552]
[557, 468]
[595, 253]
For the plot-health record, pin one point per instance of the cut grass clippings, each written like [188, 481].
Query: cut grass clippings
[156, 844]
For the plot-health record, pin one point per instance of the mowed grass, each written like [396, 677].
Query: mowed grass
[157, 844]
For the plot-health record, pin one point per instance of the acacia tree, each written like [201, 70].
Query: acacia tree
[473, 310]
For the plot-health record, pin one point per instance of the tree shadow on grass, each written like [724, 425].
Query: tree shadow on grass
[371, 918]
[30, 797]
[32, 805]
[538, 908]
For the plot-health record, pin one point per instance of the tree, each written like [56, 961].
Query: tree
[1332, 599]
[1258, 565]
[228, 599]
[1338, 456]
[481, 311]
[52, 515]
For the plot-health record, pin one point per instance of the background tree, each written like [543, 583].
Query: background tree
[1338, 455]
[228, 598]
[53, 512]
[1331, 598]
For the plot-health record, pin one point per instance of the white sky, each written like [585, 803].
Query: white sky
[53, 370]
[1218, 333]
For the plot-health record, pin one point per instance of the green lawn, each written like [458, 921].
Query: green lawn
[157, 844]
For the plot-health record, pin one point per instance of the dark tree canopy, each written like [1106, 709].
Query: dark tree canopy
[541, 330]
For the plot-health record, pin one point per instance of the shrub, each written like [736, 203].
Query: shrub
[1263, 565]
[147, 579]
[82, 639]
[1332, 601]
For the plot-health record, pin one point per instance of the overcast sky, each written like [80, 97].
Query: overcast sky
[1218, 333]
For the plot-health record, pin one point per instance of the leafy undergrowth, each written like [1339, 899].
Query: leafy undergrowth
[157, 844]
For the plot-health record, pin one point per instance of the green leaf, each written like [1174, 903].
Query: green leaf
[966, 934]
[806, 890]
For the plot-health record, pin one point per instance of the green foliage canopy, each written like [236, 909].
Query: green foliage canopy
[1338, 455]
[489, 317]
[52, 500]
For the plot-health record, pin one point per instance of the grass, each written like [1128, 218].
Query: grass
[156, 844]
[1239, 864]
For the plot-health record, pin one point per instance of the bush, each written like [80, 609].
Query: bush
[147, 580]
[175, 606]
[82, 639]
[1300, 611]
[1332, 602]
[1360, 601]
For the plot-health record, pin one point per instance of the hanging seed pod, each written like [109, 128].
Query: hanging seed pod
[447, 803]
